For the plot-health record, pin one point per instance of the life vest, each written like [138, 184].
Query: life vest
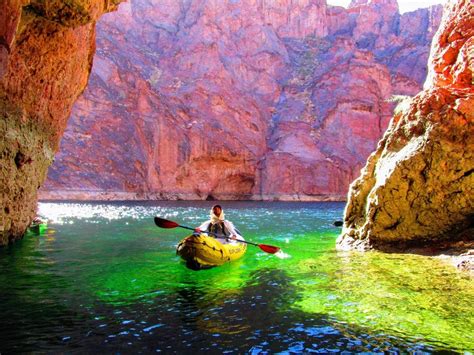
[219, 229]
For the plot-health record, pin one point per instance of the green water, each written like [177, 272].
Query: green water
[104, 278]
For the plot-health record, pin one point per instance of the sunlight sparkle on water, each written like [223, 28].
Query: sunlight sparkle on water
[282, 255]
[63, 213]
[60, 213]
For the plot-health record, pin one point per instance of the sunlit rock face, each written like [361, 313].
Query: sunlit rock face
[46, 51]
[417, 187]
[246, 99]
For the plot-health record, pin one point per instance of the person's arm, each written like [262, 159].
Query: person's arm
[203, 227]
[230, 227]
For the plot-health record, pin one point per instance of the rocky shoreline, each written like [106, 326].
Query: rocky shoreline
[80, 195]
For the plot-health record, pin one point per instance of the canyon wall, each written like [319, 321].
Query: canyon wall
[46, 52]
[417, 188]
[248, 99]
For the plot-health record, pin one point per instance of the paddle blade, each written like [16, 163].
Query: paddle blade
[270, 249]
[164, 223]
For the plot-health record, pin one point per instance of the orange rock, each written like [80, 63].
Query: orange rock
[46, 51]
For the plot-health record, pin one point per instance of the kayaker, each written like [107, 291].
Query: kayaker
[218, 224]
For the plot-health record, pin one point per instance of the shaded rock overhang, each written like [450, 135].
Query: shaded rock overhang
[46, 52]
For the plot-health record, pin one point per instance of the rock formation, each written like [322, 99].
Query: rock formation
[46, 51]
[248, 99]
[417, 188]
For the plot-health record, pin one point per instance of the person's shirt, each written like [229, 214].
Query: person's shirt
[228, 228]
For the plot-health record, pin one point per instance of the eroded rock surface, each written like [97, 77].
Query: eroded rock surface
[46, 52]
[417, 188]
[244, 99]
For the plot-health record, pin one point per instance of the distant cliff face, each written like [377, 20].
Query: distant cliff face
[417, 188]
[246, 99]
[46, 51]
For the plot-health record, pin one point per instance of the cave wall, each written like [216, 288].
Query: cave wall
[46, 53]
[416, 189]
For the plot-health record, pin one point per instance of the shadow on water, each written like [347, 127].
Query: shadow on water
[34, 315]
[260, 317]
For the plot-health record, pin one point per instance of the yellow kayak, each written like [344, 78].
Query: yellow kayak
[203, 252]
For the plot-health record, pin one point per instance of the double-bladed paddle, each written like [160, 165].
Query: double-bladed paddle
[164, 223]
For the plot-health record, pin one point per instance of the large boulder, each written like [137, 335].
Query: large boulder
[416, 189]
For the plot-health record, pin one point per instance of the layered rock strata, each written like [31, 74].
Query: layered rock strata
[416, 189]
[247, 99]
[46, 52]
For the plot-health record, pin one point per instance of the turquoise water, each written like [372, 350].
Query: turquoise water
[104, 278]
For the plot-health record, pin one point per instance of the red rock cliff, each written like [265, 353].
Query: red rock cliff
[245, 99]
[417, 187]
[46, 51]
